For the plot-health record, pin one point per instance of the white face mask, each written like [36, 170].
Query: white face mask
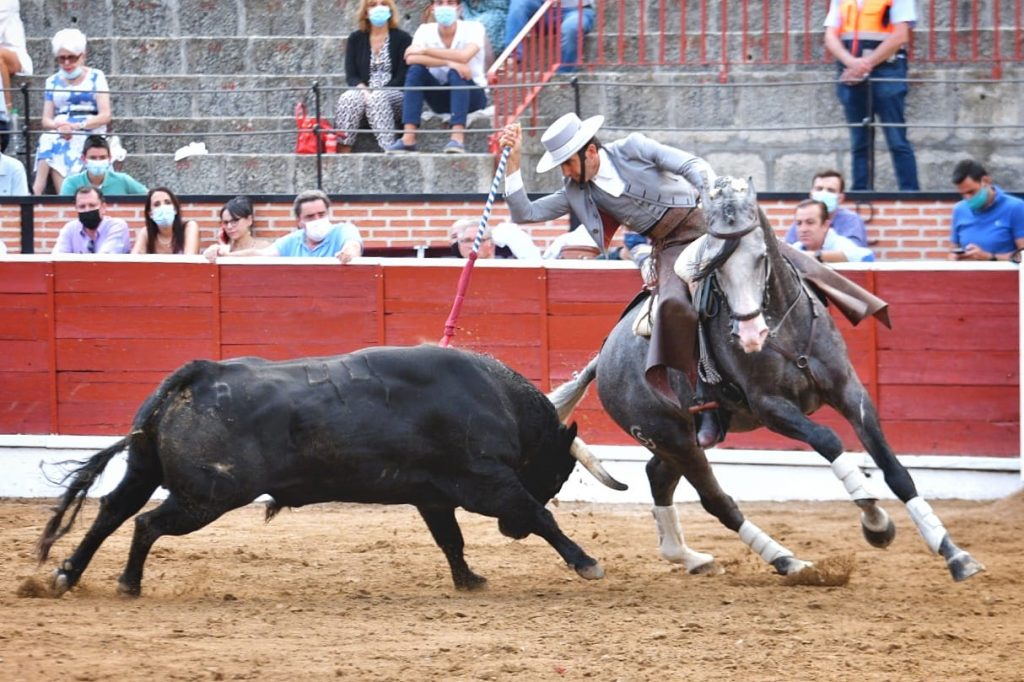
[316, 230]
[830, 199]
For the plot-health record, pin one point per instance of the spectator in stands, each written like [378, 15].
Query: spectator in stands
[827, 187]
[577, 16]
[988, 224]
[446, 52]
[869, 39]
[165, 231]
[93, 231]
[316, 236]
[236, 227]
[815, 236]
[374, 58]
[77, 102]
[505, 240]
[14, 56]
[13, 179]
[99, 173]
[493, 14]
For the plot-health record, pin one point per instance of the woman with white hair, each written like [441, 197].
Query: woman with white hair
[76, 105]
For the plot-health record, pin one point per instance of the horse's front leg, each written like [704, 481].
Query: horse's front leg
[857, 407]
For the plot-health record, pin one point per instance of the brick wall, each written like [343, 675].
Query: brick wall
[899, 228]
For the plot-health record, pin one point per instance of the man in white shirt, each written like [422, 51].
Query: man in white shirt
[446, 52]
[815, 236]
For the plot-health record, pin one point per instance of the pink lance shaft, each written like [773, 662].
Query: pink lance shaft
[460, 293]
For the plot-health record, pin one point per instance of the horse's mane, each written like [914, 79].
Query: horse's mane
[728, 202]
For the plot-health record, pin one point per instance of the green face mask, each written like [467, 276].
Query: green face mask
[977, 202]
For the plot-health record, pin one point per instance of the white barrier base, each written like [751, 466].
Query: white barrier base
[26, 463]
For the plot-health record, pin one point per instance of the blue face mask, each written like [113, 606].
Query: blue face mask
[379, 15]
[72, 75]
[163, 215]
[97, 168]
[830, 200]
[446, 15]
[977, 202]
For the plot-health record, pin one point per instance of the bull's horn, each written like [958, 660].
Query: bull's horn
[584, 456]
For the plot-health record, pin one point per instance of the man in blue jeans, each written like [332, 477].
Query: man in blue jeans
[869, 38]
[520, 11]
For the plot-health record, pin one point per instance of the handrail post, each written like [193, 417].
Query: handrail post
[575, 83]
[26, 137]
[316, 132]
[869, 125]
[28, 232]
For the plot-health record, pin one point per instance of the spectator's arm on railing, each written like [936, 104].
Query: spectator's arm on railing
[461, 55]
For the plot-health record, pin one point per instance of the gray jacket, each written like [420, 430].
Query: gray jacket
[656, 176]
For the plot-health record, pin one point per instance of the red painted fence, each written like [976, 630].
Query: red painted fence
[83, 342]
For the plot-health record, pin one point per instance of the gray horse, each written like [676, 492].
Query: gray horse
[777, 356]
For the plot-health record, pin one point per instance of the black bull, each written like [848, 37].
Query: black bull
[435, 428]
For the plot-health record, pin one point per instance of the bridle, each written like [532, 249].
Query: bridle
[735, 237]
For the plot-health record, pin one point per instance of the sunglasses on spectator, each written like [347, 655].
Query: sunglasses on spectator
[68, 58]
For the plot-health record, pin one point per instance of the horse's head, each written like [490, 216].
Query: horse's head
[736, 251]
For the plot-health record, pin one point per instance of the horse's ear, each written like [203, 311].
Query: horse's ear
[705, 195]
[751, 192]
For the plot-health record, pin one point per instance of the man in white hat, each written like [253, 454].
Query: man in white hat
[649, 187]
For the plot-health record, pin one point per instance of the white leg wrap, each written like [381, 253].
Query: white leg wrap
[760, 542]
[670, 540]
[846, 468]
[927, 522]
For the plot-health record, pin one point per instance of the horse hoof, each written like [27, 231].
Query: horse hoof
[962, 566]
[129, 591]
[879, 538]
[786, 565]
[710, 568]
[59, 583]
[591, 572]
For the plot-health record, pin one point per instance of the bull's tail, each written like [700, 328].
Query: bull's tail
[82, 478]
[566, 397]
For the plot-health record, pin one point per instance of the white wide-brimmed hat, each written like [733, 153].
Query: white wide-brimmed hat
[565, 137]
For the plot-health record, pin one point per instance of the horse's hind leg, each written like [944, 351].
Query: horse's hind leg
[860, 411]
[663, 478]
[134, 490]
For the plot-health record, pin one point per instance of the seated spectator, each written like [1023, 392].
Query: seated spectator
[374, 58]
[575, 244]
[827, 187]
[93, 231]
[98, 172]
[165, 231]
[236, 226]
[988, 224]
[13, 179]
[815, 235]
[505, 240]
[446, 52]
[316, 236]
[13, 54]
[493, 14]
[77, 102]
[520, 11]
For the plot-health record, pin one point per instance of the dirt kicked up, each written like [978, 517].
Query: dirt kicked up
[361, 592]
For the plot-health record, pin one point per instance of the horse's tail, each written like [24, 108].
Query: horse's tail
[83, 478]
[566, 397]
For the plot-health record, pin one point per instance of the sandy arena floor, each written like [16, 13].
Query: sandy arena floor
[361, 593]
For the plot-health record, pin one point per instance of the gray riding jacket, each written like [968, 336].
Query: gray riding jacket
[657, 177]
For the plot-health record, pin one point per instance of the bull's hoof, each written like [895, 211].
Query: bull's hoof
[787, 565]
[470, 582]
[962, 566]
[129, 591]
[879, 538]
[591, 571]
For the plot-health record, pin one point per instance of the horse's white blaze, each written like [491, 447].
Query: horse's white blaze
[927, 522]
[762, 543]
[671, 543]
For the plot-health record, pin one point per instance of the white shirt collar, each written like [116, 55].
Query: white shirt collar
[607, 177]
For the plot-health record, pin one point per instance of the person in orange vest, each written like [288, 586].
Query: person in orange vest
[869, 39]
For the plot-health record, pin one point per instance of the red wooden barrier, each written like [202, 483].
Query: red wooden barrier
[83, 342]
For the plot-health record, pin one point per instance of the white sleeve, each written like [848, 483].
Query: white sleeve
[513, 182]
[516, 239]
[832, 19]
[423, 34]
[903, 11]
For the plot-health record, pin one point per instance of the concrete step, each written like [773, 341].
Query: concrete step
[430, 173]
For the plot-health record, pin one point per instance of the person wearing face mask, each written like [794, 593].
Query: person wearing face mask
[827, 187]
[374, 58]
[317, 236]
[93, 231]
[988, 224]
[76, 103]
[165, 231]
[99, 173]
[448, 53]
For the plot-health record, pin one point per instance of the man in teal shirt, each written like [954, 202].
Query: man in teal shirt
[99, 174]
